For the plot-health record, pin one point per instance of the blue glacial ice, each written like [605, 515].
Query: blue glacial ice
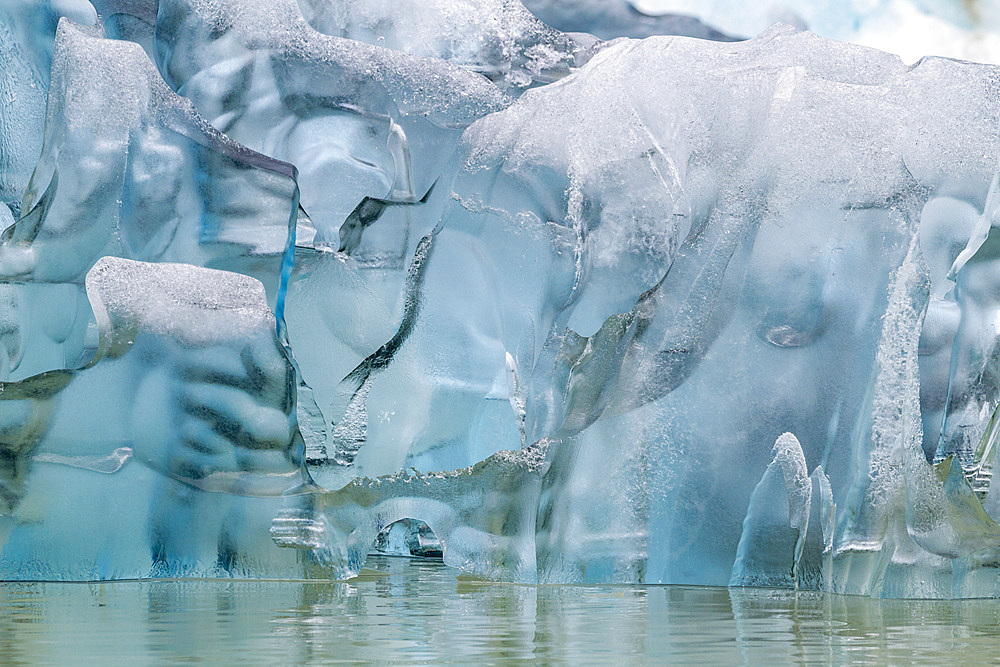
[673, 310]
[130, 169]
[188, 451]
[380, 123]
[499, 39]
[27, 34]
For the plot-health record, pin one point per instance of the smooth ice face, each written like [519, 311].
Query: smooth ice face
[499, 39]
[788, 232]
[380, 124]
[119, 174]
[609, 19]
[169, 454]
[130, 169]
[27, 32]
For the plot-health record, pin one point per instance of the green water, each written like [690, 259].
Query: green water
[421, 612]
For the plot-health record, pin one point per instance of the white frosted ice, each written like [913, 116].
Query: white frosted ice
[196, 306]
[497, 38]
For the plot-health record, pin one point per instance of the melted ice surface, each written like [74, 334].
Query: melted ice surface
[662, 311]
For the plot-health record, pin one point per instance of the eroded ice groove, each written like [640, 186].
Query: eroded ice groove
[888, 452]
[350, 432]
[973, 373]
[499, 39]
[132, 20]
[376, 122]
[27, 34]
[166, 454]
[910, 529]
[609, 19]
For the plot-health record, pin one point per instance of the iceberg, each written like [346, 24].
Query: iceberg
[645, 387]
[680, 310]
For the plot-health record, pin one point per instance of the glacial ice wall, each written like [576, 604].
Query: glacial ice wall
[675, 310]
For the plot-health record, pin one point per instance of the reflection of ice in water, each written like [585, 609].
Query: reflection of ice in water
[418, 611]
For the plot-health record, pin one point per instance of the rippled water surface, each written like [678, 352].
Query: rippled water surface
[405, 611]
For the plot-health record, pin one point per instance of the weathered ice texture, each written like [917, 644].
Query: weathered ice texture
[803, 257]
[176, 369]
[696, 312]
[171, 452]
[378, 123]
[130, 169]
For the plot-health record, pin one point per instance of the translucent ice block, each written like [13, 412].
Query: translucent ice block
[169, 454]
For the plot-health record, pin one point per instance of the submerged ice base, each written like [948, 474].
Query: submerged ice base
[665, 311]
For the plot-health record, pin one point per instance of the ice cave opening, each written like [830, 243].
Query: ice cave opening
[411, 538]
